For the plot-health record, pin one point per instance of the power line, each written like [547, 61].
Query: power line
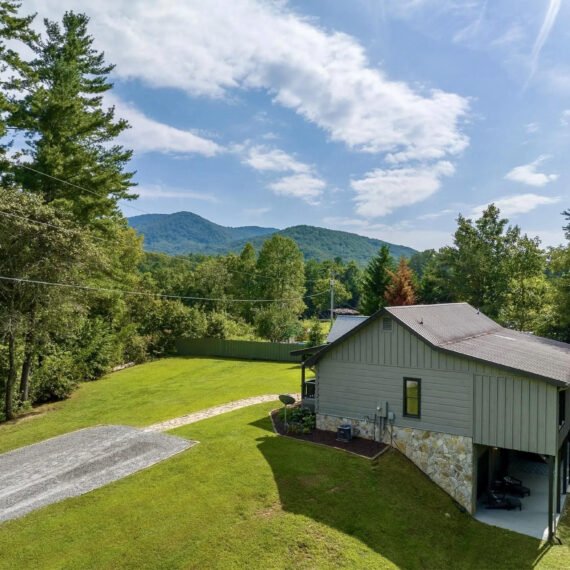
[43, 224]
[104, 196]
[74, 185]
[144, 293]
[232, 271]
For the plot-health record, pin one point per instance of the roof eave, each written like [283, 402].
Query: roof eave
[518, 371]
[316, 357]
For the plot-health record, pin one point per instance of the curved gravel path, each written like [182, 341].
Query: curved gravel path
[215, 411]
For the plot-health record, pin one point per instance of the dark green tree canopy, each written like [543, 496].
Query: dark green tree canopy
[376, 280]
[70, 133]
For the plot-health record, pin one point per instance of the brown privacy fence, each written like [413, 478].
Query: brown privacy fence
[250, 350]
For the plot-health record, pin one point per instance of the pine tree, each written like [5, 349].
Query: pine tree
[401, 290]
[70, 133]
[12, 28]
[376, 279]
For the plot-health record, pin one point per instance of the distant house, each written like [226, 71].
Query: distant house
[342, 324]
[465, 399]
[345, 311]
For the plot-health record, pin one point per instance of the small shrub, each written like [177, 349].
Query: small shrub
[316, 335]
[135, 349]
[54, 380]
[299, 420]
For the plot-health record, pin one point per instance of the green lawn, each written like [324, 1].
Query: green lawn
[152, 392]
[245, 498]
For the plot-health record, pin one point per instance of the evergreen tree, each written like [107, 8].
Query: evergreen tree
[401, 289]
[13, 28]
[69, 131]
[376, 280]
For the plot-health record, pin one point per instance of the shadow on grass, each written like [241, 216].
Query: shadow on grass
[388, 505]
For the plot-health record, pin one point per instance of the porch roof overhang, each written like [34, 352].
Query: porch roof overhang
[309, 351]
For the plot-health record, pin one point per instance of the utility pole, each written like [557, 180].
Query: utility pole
[332, 298]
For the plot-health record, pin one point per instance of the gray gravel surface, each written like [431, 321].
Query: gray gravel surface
[76, 463]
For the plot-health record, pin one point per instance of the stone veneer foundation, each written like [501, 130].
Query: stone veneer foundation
[445, 458]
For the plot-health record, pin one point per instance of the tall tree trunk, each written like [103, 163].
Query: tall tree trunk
[28, 357]
[11, 380]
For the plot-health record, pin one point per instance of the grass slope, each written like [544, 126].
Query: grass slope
[245, 498]
[152, 392]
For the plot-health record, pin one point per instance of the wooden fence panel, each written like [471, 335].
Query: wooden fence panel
[248, 350]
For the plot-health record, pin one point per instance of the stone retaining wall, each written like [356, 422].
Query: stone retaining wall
[445, 458]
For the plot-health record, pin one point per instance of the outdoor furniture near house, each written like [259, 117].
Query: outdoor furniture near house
[501, 501]
[510, 486]
[514, 486]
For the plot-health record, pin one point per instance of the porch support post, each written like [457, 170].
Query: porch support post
[565, 467]
[303, 388]
[551, 462]
[558, 483]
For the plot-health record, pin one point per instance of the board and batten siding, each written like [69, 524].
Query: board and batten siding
[368, 369]
[460, 396]
[350, 392]
[515, 413]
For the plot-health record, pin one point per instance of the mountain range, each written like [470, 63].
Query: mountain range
[185, 232]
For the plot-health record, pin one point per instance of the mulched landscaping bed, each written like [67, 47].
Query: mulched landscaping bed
[364, 447]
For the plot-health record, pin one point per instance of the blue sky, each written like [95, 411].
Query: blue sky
[385, 118]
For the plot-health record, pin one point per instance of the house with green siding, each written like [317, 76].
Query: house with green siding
[467, 400]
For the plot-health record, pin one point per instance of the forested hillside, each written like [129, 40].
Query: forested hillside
[185, 232]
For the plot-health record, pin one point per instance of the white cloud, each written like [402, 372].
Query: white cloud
[272, 160]
[512, 35]
[565, 118]
[436, 215]
[519, 204]
[472, 29]
[528, 174]
[545, 29]
[214, 48]
[256, 212]
[401, 233]
[302, 180]
[532, 128]
[148, 135]
[305, 186]
[158, 192]
[549, 237]
[383, 190]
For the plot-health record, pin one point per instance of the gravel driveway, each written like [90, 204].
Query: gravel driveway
[73, 464]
